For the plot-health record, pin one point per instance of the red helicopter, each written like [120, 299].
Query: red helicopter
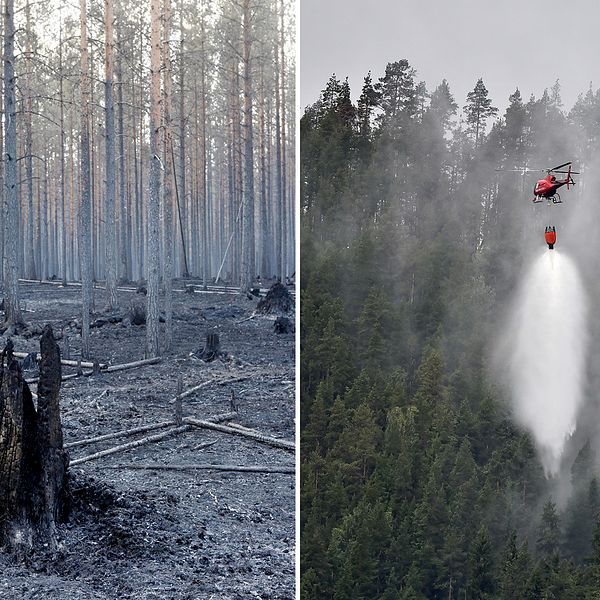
[547, 189]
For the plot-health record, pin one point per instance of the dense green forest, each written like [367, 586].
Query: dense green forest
[415, 480]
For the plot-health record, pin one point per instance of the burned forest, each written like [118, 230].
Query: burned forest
[147, 311]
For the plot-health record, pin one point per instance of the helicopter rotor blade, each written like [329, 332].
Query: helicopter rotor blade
[522, 170]
[559, 167]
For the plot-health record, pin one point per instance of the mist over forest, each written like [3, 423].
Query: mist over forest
[440, 456]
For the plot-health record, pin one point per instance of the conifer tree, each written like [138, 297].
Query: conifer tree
[442, 104]
[366, 103]
[397, 93]
[478, 109]
[548, 535]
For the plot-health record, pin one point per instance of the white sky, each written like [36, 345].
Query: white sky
[512, 43]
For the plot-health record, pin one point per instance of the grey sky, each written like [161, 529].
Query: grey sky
[512, 43]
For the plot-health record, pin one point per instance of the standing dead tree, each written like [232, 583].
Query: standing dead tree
[152, 316]
[12, 311]
[85, 214]
[111, 237]
[33, 463]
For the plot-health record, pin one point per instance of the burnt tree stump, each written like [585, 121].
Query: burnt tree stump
[212, 348]
[284, 325]
[33, 463]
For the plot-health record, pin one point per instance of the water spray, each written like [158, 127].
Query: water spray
[546, 345]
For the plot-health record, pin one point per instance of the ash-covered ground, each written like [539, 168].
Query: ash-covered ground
[163, 534]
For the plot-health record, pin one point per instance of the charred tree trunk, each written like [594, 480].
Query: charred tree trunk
[212, 348]
[33, 463]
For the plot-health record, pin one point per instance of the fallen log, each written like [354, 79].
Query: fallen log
[146, 440]
[141, 429]
[206, 467]
[242, 428]
[34, 380]
[259, 437]
[132, 365]
[109, 369]
[118, 434]
[64, 361]
[206, 384]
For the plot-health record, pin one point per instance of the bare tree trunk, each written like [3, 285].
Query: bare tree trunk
[111, 238]
[72, 249]
[137, 227]
[85, 240]
[264, 234]
[30, 248]
[12, 310]
[168, 180]
[152, 316]
[182, 157]
[143, 221]
[248, 267]
[124, 209]
[63, 208]
[283, 198]
[203, 164]
[278, 207]
[3, 215]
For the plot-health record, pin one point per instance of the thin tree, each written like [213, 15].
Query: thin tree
[124, 217]
[283, 199]
[110, 242]
[28, 113]
[168, 179]
[248, 195]
[85, 239]
[12, 310]
[478, 109]
[152, 317]
[63, 209]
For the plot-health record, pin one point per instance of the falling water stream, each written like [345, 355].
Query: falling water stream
[546, 343]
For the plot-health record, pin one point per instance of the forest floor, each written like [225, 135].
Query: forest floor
[163, 534]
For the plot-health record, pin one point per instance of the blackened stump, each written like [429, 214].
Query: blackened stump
[33, 463]
[212, 349]
[284, 325]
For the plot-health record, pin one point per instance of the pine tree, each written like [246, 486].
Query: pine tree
[442, 104]
[481, 579]
[548, 535]
[397, 93]
[514, 570]
[478, 109]
[366, 103]
[12, 309]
